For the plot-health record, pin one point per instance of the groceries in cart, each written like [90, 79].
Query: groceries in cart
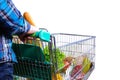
[70, 68]
[75, 67]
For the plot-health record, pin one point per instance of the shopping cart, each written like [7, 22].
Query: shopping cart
[65, 57]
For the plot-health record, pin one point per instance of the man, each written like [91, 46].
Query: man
[11, 23]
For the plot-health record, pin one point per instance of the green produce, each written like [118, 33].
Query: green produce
[46, 53]
[59, 56]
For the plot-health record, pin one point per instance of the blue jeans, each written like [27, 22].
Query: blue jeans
[6, 71]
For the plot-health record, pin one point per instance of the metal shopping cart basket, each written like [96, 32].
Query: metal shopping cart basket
[65, 57]
[76, 59]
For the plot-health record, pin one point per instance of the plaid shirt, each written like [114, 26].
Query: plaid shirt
[11, 22]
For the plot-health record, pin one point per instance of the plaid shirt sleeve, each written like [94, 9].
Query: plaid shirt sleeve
[11, 19]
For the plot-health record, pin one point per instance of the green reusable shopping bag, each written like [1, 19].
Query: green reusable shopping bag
[28, 51]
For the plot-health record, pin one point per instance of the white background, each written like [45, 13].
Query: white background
[100, 18]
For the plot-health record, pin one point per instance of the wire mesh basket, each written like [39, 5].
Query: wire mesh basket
[66, 57]
[74, 57]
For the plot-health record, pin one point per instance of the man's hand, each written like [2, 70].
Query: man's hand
[24, 37]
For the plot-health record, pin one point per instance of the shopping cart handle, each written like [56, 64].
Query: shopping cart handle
[44, 35]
